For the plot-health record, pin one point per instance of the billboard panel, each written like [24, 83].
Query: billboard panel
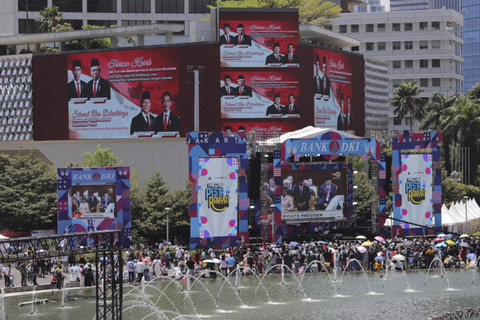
[218, 197]
[94, 199]
[260, 94]
[415, 187]
[252, 42]
[338, 86]
[122, 94]
[310, 195]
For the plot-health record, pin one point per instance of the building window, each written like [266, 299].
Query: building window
[435, 44]
[66, 6]
[170, 6]
[369, 28]
[135, 6]
[408, 45]
[200, 6]
[408, 26]
[28, 27]
[408, 64]
[104, 23]
[381, 46]
[397, 121]
[396, 64]
[369, 46]
[396, 83]
[126, 23]
[32, 5]
[435, 82]
[396, 27]
[423, 25]
[424, 44]
[435, 63]
[381, 27]
[343, 28]
[354, 28]
[396, 45]
[102, 5]
[435, 25]
[423, 82]
[424, 63]
[356, 48]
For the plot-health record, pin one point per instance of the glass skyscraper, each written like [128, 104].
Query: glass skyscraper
[403, 5]
[471, 43]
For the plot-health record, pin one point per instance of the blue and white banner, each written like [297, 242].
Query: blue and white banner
[315, 146]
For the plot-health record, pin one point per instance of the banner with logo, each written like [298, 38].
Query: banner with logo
[94, 199]
[415, 188]
[108, 93]
[218, 197]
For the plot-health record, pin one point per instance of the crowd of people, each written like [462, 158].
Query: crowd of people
[163, 261]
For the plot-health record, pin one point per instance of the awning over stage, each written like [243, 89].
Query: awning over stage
[313, 132]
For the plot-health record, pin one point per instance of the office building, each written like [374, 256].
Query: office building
[405, 5]
[471, 47]
[424, 46]
[371, 6]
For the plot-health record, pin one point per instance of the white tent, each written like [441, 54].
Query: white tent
[454, 217]
[4, 246]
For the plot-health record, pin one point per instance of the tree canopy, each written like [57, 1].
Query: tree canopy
[407, 103]
[100, 158]
[316, 12]
[28, 192]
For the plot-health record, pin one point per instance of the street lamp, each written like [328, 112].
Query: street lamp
[466, 216]
[168, 216]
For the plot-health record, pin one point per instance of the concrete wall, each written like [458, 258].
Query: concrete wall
[169, 156]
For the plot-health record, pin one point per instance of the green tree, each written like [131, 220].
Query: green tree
[436, 114]
[462, 123]
[474, 92]
[99, 158]
[50, 18]
[149, 213]
[317, 12]
[28, 192]
[406, 102]
[363, 196]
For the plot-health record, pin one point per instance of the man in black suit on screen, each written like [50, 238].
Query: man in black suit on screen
[167, 120]
[291, 108]
[97, 87]
[242, 38]
[242, 89]
[276, 107]
[143, 121]
[275, 57]
[77, 88]
[290, 57]
[227, 89]
[227, 38]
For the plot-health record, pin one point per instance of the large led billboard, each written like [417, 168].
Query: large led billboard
[94, 199]
[338, 91]
[118, 94]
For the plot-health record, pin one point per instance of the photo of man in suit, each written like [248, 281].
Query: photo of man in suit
[97, 87]
[276, 107]
[326, 193]
[77, 88]
[227, 89]
[242, 89]
[317, 78]
[275, 57]
[242, 38]
[301, 194]
[342, 118]
[325, 81]
[290, 57]
[291, 108]
[227, 38]
[145, 120]
[106, 199]
[167, 120]
[348, 116]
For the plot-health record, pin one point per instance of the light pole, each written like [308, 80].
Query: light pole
[168, 216]
[466, 216]
[272, 210]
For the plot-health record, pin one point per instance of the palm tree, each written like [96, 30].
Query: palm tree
[462, 123]
[436, 113]
[407, 103]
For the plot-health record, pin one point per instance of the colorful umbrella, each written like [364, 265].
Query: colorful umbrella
[437, 239]
[361, 249]
[398, 257]
[367, 243]
[361, 238]
[379, 258]
[464, 236]
[379, 239]
[441, 244]
[450, 242]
